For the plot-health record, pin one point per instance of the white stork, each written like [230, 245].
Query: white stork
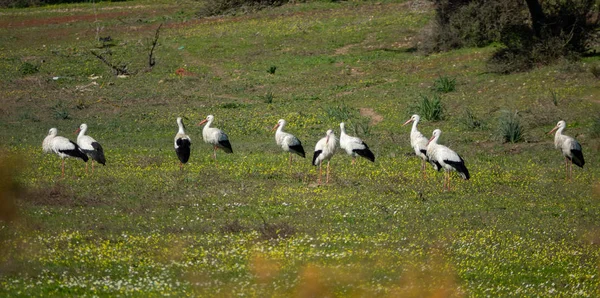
[354, 146]
[324, 150]
[441, 156]
[418, 142]
[570, 148]
[90, 147]
[215, 137]
[182, 144]
[287, 141]
[63, 147]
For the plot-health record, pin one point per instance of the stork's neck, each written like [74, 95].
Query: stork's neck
[181, 131]
[342, 130]
[414, 126]
[208, 123]
[280, 128]
[82, 132]
[559, 131]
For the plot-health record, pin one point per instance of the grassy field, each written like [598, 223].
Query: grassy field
[254, 226]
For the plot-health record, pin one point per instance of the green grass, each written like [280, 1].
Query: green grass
[255, 225]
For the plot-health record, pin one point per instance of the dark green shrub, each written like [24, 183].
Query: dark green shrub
[339, 113]
[272, 69]
[235, 7]
[27, 68]
[60, 111]
[470, 121]
[444, 84]
[510, 127]
[429, 108]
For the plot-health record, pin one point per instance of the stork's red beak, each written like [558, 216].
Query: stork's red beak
[77, 131]
[430, 139]
[202, 122]
[275, 127]
[407, 121]
[553, 130]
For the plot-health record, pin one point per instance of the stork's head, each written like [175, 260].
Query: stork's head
[560, 125]
[436, 134]
[82, 127]
[53, 131]
[207, 119]
[413, 118]
[281, 123]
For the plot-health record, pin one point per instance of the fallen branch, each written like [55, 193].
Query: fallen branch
[118, 70]
[151, 60]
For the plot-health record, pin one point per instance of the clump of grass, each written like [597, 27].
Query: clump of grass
[231, 105]
[272, 69]
[339, 113]
[595, 128]
[595, 70]
[361, 127]
[444, 84]
[268, 97]
[554, 97]
[429, 108]
[27, 68]
[510, 127]
[60, 111]
[470, 121]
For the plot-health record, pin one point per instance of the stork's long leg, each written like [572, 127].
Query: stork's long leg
[327, 179]
[180, 166]
[63, 168]
[215, 156]
[92, 166]
[353, 160]
[567, 168]
[86, 168]
[320, 172]
[423, 169]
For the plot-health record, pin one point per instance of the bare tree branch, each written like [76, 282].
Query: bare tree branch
[151, 60]
[118, 70]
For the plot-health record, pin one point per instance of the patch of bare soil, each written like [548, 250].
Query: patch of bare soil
[368, 112]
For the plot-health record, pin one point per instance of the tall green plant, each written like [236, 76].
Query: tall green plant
[510, 127]
[430, 108]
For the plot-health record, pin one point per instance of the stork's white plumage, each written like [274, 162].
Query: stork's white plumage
[182, 144]
[287, 141]
[570, 148]
[418, 141]
[215, 137]
[354, 146]
[90, 147]
[62, 147]
[441, 156]
[324, 150]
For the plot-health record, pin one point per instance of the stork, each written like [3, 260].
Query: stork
[215, 137]
[354, 146]
[62, 147]
[418, 142]
[182, 144]
[570, 148]
[441, 156]
[324, 150]
[287, 141]
[90, 147]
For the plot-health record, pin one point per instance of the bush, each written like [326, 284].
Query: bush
[444, 84]
[567, 30]
[27, 68]
[235, 7]
[470, 121]
[469, 23]
[429, 108]
[510, 127]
